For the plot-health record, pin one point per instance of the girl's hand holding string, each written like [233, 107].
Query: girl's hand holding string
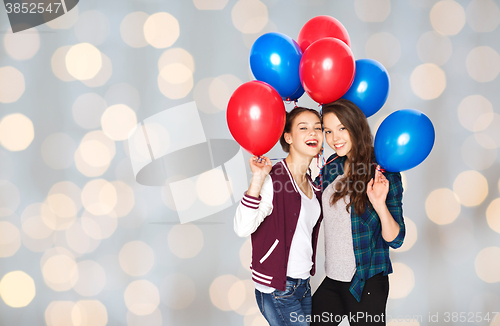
[260, 166]
[377, 189]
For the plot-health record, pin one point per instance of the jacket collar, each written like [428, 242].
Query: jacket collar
[315, 188]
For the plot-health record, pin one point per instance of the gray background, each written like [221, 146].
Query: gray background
[443, 257]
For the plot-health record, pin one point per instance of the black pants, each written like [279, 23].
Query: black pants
[332, 301]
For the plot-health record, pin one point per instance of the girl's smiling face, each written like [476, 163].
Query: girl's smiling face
[337, 136]
[306, 136]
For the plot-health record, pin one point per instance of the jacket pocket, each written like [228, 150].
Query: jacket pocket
[269, 251]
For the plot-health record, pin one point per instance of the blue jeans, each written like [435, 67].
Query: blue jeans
[291, 307]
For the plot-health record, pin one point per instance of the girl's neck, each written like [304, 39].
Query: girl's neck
[298, 166]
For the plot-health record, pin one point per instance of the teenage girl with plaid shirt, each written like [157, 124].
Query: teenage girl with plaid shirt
[362, 209]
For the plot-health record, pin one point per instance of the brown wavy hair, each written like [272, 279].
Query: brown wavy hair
[362, 155]
[290, 118]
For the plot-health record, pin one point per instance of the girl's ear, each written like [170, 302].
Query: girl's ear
[288, 138]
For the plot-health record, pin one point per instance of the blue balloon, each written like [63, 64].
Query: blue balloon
[275, 59]
[404, 140]
[370, 87]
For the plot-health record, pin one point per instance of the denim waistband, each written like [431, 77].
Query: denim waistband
[298, 281]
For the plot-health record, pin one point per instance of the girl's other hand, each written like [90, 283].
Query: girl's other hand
[378, 188]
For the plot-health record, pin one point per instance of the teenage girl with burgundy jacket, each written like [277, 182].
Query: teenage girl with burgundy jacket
[282, 212]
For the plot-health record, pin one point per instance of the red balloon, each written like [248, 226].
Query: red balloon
[256, 116]
[327, 70]
[320, 27]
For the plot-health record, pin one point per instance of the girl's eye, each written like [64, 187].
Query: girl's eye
[342, 128]
[303, 128]
[328, 132]
[318, 129]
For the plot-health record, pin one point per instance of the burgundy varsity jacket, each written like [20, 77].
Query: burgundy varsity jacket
[272, 239]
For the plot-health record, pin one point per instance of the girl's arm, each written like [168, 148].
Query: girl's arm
[391, 218]
[256, 204]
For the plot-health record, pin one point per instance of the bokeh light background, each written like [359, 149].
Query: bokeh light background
[81, 243]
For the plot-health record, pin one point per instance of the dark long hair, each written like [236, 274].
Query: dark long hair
[290, 118]
[361, 155]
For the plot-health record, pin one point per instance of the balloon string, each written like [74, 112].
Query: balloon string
[317, 163]
[295, 102]
[288, 100]
[380, 169]
[333, 159]
[322, 158]
[320, 109]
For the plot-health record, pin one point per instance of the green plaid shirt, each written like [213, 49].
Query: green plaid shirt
[370, 248]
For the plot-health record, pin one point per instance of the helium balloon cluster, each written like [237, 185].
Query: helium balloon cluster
[321, 64]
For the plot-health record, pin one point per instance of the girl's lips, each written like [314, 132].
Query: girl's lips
[338, 146]
[312, 143]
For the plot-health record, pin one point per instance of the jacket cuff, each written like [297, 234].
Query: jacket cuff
[250, 201]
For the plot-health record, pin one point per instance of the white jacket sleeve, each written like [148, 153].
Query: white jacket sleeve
[252, 211]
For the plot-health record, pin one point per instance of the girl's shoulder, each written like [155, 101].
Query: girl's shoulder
[278, 168]
[332, 157]
[332, 160]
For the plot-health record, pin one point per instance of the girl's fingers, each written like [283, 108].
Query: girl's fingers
[258, 160]
[264, 159]
[255, 160]
[380, 175]
[369, 185]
